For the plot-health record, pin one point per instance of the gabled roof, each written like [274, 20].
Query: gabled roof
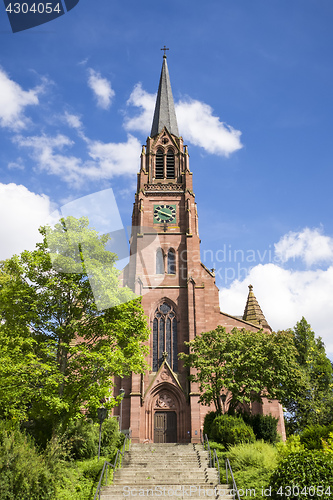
[253, 313]
[164, 115]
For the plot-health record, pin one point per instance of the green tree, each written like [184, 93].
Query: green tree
[313, 402]
[61, 342]
[251, 365]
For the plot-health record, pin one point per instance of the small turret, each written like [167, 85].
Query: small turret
[253, 313]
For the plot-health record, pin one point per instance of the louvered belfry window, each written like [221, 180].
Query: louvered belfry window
[159, 164]
[170, 164]
[165, 337]
[171, 262]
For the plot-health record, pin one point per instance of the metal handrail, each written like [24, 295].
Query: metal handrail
[114, 466]
[207, 447]
[205, 442]
[216, 460]
[228, 466]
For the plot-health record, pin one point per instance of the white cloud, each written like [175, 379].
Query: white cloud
[24, 213]
[310, 245]
[146, 102]
[114, 159]
[45, 151]
[199, 126]
[196, 121]
[101, 88]
[106, 160]
[73, 121]
[16, 165]
[13, 101]
[285, 295]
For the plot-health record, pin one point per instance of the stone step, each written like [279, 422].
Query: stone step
[180, 458]
[153, 468]
[174, 491]
[151, 453]
[211, 495]
[120, 488]
[165, 467]
[168, 458]
[112, 496]
[150, 480]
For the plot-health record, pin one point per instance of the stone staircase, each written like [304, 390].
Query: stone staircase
[172, 470]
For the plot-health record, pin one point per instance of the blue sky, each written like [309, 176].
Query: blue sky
[252, 83]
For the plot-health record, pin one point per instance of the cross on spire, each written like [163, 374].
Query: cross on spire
[164, 48]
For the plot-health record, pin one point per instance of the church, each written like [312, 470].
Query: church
[179, 294]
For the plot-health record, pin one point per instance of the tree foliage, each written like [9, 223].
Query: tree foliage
[60, 345]
[313, 402]
[251, 365]
[303, 474]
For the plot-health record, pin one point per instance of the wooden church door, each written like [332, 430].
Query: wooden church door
[165, 427]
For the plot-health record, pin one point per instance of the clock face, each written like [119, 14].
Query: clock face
[164, 213]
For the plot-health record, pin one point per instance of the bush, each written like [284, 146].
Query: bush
[303, 474]
[27, 474]
[312, 436]
[230, 430]
[80, 481]
[253, 464]
[217, 446]
[24, 473]
[264, 426]
[292, 445]
[112, 438]
[209, 419]
[82, 437]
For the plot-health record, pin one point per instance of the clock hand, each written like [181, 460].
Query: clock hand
[165, 213]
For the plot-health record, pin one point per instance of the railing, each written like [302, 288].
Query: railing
[205, 442]
[216, 462]
[228, 466]
[206, 446]
[117, 463]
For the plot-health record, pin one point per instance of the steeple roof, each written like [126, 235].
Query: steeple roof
[253, 313]
[165, 115]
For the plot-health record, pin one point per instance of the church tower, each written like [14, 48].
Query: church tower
[179, 295]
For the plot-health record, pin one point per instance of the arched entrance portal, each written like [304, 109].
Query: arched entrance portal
[165, 415]
[165, 418]
[165, 427]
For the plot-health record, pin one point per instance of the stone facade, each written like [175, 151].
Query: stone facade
[180, 297]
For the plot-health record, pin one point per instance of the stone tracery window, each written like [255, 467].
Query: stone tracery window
[165, 337]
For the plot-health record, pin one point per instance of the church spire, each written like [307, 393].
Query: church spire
[165, 115]
[253, 313]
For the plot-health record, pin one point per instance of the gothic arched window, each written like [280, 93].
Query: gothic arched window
[170, 164]
[165, 337]
[159, 164]
[171, 262]
[159, 262]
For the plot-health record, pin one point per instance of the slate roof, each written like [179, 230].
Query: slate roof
[164, 115]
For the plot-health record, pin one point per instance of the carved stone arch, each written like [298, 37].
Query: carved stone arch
[159, 302]
[166, 397]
